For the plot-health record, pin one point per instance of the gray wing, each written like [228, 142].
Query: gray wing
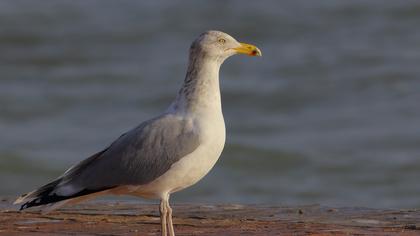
[137, 157]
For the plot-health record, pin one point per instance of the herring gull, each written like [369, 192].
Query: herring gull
[162, 155]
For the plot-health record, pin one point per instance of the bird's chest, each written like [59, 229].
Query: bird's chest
[212, 131]
[194, 166]
[197, 164]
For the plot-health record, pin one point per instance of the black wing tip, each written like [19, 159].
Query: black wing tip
[48, 198]
[24, 206]
[41, 200]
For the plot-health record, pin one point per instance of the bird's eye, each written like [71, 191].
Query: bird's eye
[222, 40]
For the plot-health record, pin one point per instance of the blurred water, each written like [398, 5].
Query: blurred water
[330, 113]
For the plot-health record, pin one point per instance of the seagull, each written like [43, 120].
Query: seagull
[162, 155]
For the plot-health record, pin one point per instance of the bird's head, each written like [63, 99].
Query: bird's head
[220, 46]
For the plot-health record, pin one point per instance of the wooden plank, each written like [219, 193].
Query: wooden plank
[128, 218]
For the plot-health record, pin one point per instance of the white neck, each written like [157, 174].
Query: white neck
[200, 91]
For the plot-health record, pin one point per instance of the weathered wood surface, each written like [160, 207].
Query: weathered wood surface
[128, 218]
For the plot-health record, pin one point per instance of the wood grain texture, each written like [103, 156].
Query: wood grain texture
[128, 218]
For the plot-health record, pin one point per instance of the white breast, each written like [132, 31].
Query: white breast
[191, 168]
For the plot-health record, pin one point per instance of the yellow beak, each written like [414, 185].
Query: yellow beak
[248, 49]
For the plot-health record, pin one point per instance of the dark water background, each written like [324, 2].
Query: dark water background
[330, 114]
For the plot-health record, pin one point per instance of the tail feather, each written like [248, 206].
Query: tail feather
[46, 195]
[53, 193]
[46, 189]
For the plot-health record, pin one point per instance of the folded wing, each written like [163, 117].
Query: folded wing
[136, 158]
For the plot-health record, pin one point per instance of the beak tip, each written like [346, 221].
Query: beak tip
[249, 50]
[256, 52]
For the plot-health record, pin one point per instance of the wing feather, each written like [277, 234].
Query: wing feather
[135, 158]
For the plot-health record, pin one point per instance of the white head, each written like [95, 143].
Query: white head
[219, 46]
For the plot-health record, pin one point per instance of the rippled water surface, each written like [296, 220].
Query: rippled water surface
[330, 114]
